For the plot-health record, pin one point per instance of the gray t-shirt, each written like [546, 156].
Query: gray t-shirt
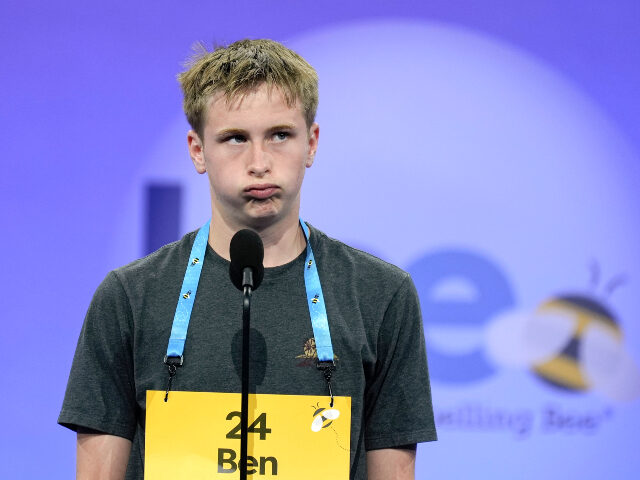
[374, 320]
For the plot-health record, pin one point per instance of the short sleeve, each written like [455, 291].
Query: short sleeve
[398, 408]
[100, 392]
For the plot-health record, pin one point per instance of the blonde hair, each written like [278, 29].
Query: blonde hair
[239, 69]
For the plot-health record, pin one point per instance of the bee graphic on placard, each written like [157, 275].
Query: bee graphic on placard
[571, 341]
[187, 295]
[323, 417]
[315, 298]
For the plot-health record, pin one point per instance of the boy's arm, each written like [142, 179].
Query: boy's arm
[391, 464]
[101, 456]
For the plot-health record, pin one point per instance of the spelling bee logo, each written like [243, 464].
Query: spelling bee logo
[474, 328]
[571, 341]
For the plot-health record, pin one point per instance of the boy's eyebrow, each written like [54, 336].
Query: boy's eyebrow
[284, 126]
[230, 131]
[239, 131]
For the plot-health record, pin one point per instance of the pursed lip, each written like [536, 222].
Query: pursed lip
[261, 190]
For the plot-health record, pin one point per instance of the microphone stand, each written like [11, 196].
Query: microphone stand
[244, 410]
[247, 253]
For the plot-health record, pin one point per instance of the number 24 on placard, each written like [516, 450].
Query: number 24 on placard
[258, 426]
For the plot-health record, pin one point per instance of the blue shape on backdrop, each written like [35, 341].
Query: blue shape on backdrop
[163, 216]
[460, 290]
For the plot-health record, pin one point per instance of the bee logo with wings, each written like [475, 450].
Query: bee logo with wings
[323, 417]
[571, 341]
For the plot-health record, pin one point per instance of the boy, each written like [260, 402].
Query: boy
[252, 108]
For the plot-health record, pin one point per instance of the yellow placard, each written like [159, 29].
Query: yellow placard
[196, 435]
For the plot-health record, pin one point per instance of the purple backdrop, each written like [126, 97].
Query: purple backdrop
[87, 91]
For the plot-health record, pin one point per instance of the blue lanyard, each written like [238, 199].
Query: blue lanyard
[315, 299]
[317, 308]
[188, 294]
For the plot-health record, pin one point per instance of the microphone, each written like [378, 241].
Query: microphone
[247, 253]
[246, 272]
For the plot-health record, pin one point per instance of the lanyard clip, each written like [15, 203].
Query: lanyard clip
[172, 364]
[327, 368]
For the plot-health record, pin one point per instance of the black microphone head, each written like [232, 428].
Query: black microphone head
[246, 250]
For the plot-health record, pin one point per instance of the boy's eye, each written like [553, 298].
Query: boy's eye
[235, 139]
[280, 136]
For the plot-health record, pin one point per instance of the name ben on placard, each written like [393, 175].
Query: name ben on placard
[227, 457]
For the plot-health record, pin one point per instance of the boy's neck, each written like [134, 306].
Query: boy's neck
[283, 242]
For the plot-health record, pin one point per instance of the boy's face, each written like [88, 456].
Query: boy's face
[255, 152]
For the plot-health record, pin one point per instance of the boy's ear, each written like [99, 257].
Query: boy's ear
[314, 135]
[196, 151]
